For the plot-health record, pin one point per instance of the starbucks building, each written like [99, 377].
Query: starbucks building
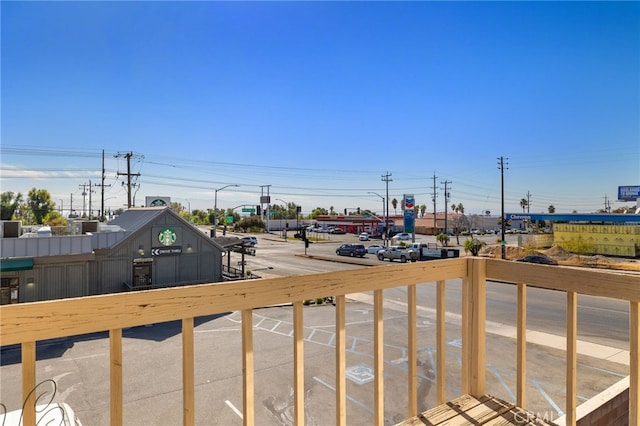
[143, 248]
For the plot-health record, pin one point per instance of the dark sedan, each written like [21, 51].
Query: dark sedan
[543, 260]
[351, 250]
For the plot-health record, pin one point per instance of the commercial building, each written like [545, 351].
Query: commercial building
[143, 248]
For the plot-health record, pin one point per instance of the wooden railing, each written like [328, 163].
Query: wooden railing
[28, 323]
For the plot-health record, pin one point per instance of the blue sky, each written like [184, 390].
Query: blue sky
[320, 99]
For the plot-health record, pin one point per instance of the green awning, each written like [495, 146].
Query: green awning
[9, 265]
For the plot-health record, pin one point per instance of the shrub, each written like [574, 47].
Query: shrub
[443, 239]
[473, 245]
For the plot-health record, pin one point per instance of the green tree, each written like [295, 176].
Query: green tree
[54, 218]
[423, 210]
[443, 239]
[250, 224]
[394, 204]
[473, 245]
[177, 207]
[318, 211]
[40, 204]
[9, 203]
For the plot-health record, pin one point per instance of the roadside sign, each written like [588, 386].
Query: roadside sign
[229, 219]
[248, 210]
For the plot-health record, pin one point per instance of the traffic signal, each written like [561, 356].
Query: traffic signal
[258, 210]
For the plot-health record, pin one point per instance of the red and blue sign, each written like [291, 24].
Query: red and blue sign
[409, 213]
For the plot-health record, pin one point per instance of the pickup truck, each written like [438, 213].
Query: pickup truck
[394, 252]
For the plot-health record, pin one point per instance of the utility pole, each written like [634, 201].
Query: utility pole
[127, 156]
[71, 207]
[607, 205]
[434, 194]
[102, 186]
[502, 167]
[387, 178]
[528, 202]
[446, 204]
[90, 191]
[84, 197]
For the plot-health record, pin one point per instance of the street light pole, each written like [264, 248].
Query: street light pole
[387, 178]
[286, 207]
[215, 208]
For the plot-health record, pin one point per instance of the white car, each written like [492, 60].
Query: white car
[375, 248]
[249, 241]
[364, 236]
[402, 237]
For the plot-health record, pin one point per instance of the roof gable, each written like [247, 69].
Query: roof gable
[136, 219]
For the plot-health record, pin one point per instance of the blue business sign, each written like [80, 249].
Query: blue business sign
[409, 213]
[628, 193]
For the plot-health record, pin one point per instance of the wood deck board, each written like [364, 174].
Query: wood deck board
[467, 410]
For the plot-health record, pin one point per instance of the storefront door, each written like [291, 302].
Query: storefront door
[9, 290]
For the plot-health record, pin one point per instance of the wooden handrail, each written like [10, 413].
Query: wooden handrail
[28, 323]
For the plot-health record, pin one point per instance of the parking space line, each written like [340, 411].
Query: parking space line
[234, 409]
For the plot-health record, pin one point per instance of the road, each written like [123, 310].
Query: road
[600, 320]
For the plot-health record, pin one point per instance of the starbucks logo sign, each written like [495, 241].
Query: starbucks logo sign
[158, 202]
[167, 236]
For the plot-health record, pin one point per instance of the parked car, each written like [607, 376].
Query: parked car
[541, 259]
[364, 236]
[402, 237]
[352, 250]
[249, 241]
[375, 248]
[337, 230]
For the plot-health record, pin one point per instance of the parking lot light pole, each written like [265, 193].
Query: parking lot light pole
[215, 207]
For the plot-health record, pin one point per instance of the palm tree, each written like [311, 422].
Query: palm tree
[524, 203]
[457, 209]
[551, 209]
[394, 203]
[423, 209]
